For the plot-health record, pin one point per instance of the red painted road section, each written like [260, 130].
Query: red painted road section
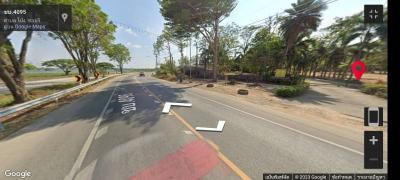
[192, 161]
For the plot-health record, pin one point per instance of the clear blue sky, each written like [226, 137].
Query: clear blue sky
[141, 22]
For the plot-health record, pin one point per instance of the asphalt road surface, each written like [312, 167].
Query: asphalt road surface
[119, 132]
[348, 101]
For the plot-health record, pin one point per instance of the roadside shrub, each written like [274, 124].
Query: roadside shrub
[292, 91]
[294, 80]
[379, 90]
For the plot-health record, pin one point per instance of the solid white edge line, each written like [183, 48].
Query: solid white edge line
[78, 163]
[284, 126]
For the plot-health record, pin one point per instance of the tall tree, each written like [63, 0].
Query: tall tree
[202, 16]
[157, 48]
[120, 54]
[29, 66]
[104, 67]
[90, 33]
[303, 18]
[166, 40]
[66, 65]
[13, 76]
[11, 64]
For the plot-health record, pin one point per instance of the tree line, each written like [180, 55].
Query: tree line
[286, 41]
[92, 34]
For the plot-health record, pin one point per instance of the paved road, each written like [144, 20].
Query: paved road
[92, 138]
[345, 100]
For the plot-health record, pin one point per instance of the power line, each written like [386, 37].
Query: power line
[298, 12]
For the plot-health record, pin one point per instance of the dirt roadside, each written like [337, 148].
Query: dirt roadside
[266, 98]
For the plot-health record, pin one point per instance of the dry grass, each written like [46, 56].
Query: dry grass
[369, 77]
[7, 99]
[45, 76]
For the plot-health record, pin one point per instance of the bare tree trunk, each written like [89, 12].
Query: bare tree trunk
[156, 62]
[18, 94]
[121, 68]
[170, 55]
[197, 62]
[334, 73]
[215, 49]
[15, 82]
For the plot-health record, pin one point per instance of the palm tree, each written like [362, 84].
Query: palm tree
[320, 55]
[303, 18]
[342, 33]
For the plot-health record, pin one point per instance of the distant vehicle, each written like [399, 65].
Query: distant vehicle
[141, 74]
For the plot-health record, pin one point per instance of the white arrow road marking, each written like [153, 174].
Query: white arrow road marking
[168, 105]
[219, 128]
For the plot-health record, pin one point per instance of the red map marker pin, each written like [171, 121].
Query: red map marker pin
[358, 68]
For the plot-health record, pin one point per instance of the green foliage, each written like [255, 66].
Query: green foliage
[65, 65]
[266, 49]
[28, 66]
[120, 54]
[379, 90]
[201, 16]
[292, 91]
[182, 14]
[292, 80]
[300, 23]
[104, 65]
[6, 100]
[91, 33]
[167, 70]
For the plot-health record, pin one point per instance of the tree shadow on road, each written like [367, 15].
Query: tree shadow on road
[89, 107]
[314, 97]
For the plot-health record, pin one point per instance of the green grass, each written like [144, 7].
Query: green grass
[43, 76]
[377, 89]
[7, 99]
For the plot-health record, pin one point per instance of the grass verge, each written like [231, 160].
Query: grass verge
[7, 99]
[44, 76]
[379, 89]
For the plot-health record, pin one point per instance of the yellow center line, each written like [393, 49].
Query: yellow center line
[221, 156]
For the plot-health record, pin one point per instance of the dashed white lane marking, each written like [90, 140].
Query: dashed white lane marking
[101, 132]
[158, 102]
[78, 163]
